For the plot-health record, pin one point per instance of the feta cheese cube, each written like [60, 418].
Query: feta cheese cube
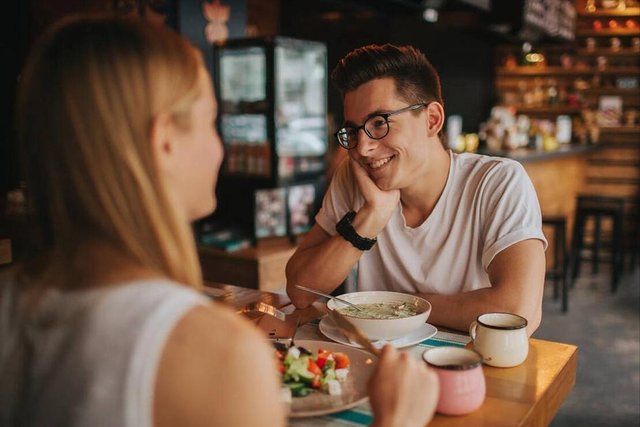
[334, 388]
[341, 374]
[294, 352]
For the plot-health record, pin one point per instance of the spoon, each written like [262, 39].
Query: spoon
[322, 294]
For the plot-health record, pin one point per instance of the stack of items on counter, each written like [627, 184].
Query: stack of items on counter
[506, 131]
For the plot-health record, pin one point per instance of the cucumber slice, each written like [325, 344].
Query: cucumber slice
[301, 392]
[298, 389]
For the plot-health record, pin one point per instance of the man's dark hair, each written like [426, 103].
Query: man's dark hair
[415, 78]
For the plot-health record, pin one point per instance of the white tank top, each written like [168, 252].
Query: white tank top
[87, 358]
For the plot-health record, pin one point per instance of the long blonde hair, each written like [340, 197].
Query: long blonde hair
[88, 96]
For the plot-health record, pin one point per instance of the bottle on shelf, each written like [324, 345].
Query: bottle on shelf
[552, 92]
[538, 92]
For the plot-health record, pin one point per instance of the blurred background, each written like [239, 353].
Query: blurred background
[554, 84]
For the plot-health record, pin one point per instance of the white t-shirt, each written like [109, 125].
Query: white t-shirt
[487, 205]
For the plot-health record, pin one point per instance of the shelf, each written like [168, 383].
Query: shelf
[559, 48]
[621, 129]
[610, 91]
[559, 71]
[605, 13]
[546, 109]
[524, 155]
[608, 33]
[608, 52]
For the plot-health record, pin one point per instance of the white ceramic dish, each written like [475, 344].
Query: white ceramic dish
[331, 331]
[386, 329]
[354, 389]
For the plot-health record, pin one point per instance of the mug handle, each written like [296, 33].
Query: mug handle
[472, 330]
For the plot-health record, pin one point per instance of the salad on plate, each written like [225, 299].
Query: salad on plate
[304, 372]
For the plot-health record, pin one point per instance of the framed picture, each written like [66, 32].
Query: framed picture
[609, 111]
[270, 213]
[301, 198]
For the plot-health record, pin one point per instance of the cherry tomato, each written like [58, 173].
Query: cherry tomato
[342, 360]
[314, 368]
[322, 358]
[315, 383]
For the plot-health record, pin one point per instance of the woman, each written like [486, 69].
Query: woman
[105, 327]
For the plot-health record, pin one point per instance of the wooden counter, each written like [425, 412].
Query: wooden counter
[525, 155]
[558, 177]
[558, 181]
[5, 251]
[609, 168]
[256, 267]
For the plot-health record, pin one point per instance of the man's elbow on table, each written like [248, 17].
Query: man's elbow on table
[298, 298]
[534, 319]
[517, 277]
[531, 311]
[529, 305]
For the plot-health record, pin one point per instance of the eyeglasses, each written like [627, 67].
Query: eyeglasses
[376, 127]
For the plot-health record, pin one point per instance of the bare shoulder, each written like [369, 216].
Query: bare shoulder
[214, 366]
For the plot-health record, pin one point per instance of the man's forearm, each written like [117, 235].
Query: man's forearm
[322, 267]
[458, 311]
[325, 266]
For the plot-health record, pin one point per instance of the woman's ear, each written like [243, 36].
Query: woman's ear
[435, 117]
[161, 139]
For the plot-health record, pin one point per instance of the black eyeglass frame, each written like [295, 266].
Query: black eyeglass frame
[385, 116]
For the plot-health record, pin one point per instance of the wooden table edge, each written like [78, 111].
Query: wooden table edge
[556, 394]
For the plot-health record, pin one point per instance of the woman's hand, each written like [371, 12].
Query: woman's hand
[403, 391]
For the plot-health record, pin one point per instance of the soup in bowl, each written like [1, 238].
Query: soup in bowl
[385, 315]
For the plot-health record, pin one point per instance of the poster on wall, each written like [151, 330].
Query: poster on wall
[301, 198]
[270, 213]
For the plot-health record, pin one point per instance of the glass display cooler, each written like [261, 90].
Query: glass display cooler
[272, 100]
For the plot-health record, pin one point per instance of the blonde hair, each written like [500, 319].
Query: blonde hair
[88, 97]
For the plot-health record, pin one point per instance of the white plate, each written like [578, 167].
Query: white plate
[354, 389]
[331, 331]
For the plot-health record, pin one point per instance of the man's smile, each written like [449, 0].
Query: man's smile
[379, 163]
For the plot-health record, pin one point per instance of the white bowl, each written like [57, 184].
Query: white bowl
[385, 329]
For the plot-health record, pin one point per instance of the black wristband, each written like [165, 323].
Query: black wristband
[346, 230]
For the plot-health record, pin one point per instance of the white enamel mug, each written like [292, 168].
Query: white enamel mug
[501, 339]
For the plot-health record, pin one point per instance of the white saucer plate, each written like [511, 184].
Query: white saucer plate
[331, 331]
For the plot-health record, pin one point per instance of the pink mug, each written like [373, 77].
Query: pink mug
[462, 385]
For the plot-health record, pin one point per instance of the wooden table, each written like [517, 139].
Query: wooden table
[527, 395]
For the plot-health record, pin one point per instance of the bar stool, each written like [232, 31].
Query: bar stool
[598, 207]
[559, 271]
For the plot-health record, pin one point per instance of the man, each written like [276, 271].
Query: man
[461, 230]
